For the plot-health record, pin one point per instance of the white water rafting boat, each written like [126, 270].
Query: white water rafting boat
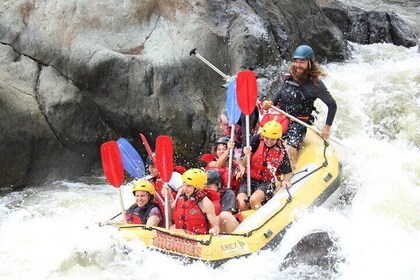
[316, 182]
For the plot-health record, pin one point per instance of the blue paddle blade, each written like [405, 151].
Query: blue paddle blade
[131, 159]
[232, 107]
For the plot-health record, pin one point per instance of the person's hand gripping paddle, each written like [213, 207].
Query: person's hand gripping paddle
[246, 94]
[113, 168]
[233, 114]
[165, 166]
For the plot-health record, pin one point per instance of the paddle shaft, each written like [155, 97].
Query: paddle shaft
[122, 206]
[167, 207]
[226, 77]
[248, 159]
[114, 216]
[305, 124]
[232, 135]
[158, 197]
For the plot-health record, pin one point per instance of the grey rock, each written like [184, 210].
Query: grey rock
[318, 249]
[369, 27]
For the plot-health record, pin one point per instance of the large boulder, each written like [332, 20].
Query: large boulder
[368, 27]
[74, 74]
[49, 128]
[318, 250]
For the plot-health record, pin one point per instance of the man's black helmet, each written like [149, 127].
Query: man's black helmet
[213, 177]
[222, 140]
[148, 161]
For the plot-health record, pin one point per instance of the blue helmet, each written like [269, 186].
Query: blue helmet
[303, 52]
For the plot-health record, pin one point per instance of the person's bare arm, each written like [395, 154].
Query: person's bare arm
[247, 153]
[208, 208]
[153, 221]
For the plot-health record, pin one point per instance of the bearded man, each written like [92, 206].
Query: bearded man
[296, 96]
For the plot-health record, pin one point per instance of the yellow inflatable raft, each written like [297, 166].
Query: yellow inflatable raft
[315, 182]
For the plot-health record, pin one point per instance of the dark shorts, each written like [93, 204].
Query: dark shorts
[295, 135]
[228, 201]
[266, 187]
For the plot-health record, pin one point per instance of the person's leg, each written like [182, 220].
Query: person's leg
[292, 153]
[227, 222]
[294, 135]
[242, 198]
[256, 199]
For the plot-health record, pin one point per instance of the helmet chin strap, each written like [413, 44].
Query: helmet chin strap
[309, 64]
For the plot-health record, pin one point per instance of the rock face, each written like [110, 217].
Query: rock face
[368, 27]
[77, 73]
[46, 123]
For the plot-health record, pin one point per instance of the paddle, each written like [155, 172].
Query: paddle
[233, 114]
[150, 153]
[148, 149]
[131, 159]
[307, 125]
[113, 168]
[246, 94]
[165, 166]
[193, 52]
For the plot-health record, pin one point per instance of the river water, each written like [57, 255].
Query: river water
[51, 232]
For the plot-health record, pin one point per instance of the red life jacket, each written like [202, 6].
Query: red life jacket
[214, 196]
[224, 174]
[188, 215]
[265, 157]
[133, 219]
[207, 158]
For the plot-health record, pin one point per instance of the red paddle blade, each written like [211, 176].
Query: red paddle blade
[246, 91]
[112, 163]
[148, 149]
[164, 157]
